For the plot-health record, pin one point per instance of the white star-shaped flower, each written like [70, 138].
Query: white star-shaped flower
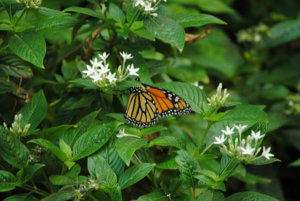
[103, 56]
[104, 69]
[111, 77]
[96, 63]
[220, 140]
[240, 128]
[256, 135]
[96, 77]
[126, 56]
[132, 70]
[228, 131]
[148, 8]
[248, 150]
[266, 153]
[90, 71]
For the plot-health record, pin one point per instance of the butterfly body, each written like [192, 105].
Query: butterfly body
[147, 104]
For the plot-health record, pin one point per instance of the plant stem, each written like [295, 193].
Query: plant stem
[137, 14]
[35, 190]
[197, 151]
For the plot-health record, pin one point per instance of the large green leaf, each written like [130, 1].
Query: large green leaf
[193, 19]
[166, 30]
[99, 168]
[8, 181]
[92, 140]
[167, 141]
[85, 11]
[250, 196]
[14, 66]
[34, 112]
[227, 167]
[135, 174]
[30, 46]
[116, 13]
[51, 24]
[192, 94]
[281, 33]
[126, 146]
[81, 127]
[12, 150]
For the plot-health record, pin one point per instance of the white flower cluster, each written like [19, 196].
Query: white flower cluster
[16, 127]
[31, 3]
[101, 74]
[148, 6]
[253, 34]
[219, 98]
[244, 150]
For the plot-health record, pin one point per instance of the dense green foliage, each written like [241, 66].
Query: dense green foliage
[64, 136]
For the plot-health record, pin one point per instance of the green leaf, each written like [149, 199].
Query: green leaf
[131, 11]
[192, 19]
[154, 196]
[192, 94]
[227, 167]
[135, 174]
[250, 196]
[167, 30]
[52, 133]
[12, 150]
[7, 181]
[167, 141]
[209, 195]
[92, 140]
[82, 126]
[14, 66]
[85, 11]
[62, 195]
[30, 46]
[110, 155]
[20, 197]
[99, 168]
[264, 161]
[215, 6]
[126, 146]
[253, 179]
[168, 163]
[64, 147]
[152, 129]
[189, 167]
[61, 180]
[116, 13]
[26, 173]
[34, 112]
[52, 147]
[281, 33]
[296, 163]
[52, 24]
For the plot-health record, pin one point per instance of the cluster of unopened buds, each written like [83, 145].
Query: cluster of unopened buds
[91, 184]
[34, 156]
[31, 3]
[16, 126]
[148, 6]
[219, 98]
[245, 150]
[101, 74]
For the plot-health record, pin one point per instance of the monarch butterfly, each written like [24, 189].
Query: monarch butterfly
[147, 104]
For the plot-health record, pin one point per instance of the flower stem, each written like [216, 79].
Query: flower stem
[197, 151]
